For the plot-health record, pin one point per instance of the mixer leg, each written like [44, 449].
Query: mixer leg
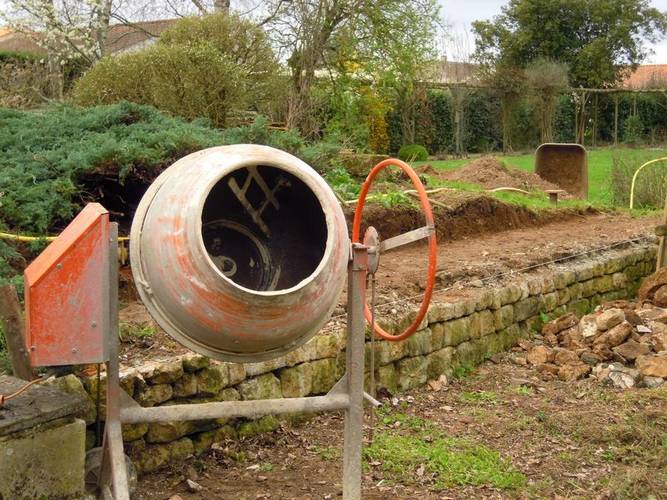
[354, 415]
[113, 474]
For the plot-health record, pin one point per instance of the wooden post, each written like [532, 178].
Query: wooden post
[661, 232]
[12, 326]
[615, 119]
[595, 121]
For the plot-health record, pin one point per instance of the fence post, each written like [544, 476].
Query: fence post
[12, 326]
[661, 232]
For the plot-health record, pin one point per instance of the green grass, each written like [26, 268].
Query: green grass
[416, 444]
[479, 397]
[131, 331]
[600, 162]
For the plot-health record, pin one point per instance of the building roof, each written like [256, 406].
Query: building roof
[647, 76]
[123, 38]
[120, 37]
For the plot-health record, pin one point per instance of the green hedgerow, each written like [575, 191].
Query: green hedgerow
[413, 152]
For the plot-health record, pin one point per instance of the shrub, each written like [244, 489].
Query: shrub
[650, 187]
[413, 152]
[633, 133]
[202, 67]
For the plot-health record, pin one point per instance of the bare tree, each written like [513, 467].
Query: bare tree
[547, 80]
[65, 29]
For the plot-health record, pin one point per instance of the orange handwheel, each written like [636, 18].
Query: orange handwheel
[428, 231]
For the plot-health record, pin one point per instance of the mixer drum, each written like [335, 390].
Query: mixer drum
[239, 252]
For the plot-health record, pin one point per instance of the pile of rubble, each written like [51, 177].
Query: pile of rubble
[623, 343]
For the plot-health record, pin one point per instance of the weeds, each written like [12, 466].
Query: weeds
[479, 397]
[128, 332]
[415, 447]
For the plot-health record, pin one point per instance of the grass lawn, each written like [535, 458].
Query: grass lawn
[600, 162]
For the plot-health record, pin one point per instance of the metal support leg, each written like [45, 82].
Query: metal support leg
[354, 415]
[113, 474]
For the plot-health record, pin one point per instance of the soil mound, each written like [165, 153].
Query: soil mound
[491, 173]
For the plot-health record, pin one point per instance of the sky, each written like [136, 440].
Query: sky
[459, 14]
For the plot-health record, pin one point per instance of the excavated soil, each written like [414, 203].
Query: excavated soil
[491, 173]
[466, 215]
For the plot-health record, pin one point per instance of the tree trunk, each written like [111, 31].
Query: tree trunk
[581, 118]
[221, 6]
[102, 27]
[615, 119]
[56, 78]
[506, 109]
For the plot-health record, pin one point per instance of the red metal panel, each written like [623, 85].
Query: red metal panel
[66, 294]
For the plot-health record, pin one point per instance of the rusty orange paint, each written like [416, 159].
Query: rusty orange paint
[66, 294]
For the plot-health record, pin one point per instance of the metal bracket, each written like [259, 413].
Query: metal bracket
[407, 238]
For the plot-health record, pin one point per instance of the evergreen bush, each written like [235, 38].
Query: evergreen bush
[413, 152]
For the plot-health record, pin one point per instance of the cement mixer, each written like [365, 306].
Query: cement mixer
[239, 253]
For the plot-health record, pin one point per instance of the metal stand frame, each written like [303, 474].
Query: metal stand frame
[348, 393]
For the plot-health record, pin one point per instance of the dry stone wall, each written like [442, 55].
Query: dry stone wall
[456, 335]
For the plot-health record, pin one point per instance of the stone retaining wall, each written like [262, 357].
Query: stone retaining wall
[460, 331]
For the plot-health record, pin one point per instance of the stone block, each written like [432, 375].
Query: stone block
[563, 296]
[604, 284]
[162, 372]
[166, 432]
[387, 378]
[389, 352]
[325, 373]
[468, 354]
[563, 278]
[444, 311]
[236, 373]
[194, 362]
[45, 461]
[550, 301]
[327, 346]
[526, 308]
[419, 344]
[548, 284]
[297, 381]
[73, 385]
[579, 307]
[186, 385]
[154, 394]
[305, 353]
[484, 299]
[132, 432]
[510, 294]
[503, 317]
[265, 386]
[412, 372]
[267, 423]
[534, 285]
[456, 331]
[212, 379]
[439, 362]
[486, 323]
[619, 280]
[437, 335]
[588, 288]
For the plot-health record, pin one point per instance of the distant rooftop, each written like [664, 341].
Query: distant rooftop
[647, 76]
[120, 37]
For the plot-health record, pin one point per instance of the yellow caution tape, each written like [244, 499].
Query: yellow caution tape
[20, 237]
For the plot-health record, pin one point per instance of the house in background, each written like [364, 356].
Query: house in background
[647, 76]
[121, 38]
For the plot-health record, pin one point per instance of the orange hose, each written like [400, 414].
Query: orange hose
[432, 244]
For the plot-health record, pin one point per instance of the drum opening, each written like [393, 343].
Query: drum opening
[264, 228]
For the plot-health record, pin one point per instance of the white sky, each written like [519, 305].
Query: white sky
[459, 14]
